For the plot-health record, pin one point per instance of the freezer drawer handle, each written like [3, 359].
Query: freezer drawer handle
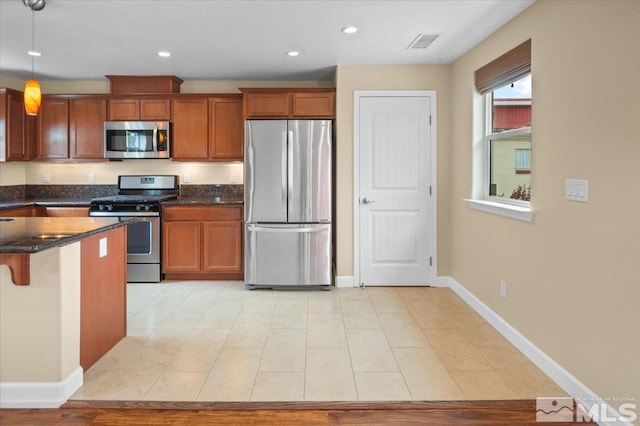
[291, 230]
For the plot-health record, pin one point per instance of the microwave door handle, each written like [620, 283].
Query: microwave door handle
[155, 139]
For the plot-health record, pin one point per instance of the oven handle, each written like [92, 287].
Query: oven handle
[127, 214]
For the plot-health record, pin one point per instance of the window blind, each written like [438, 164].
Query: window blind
[509, 67]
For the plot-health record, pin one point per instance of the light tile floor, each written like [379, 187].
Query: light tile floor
[216, 341]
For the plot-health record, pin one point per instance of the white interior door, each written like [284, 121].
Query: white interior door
[394, 190]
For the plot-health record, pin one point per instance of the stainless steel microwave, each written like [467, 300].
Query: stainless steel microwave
[137, 139]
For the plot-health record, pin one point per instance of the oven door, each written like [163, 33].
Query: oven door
[143, 239]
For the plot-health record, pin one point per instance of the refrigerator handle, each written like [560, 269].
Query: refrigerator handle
[290, 166]
[288, 230]
[283, 172]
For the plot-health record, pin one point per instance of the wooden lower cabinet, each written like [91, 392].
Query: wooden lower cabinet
[103, 295]
[202, 242]
[18, 212]
[63, 211]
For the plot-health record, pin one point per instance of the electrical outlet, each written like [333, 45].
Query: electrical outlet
[232, 178]
[91, 177]
[503, 288]
[46, 178]
[186, 178]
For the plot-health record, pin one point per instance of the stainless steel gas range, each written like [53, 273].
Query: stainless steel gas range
[140, 197]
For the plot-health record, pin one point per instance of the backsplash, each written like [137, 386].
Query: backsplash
[11, 193]
[226, 192]
[78, 192]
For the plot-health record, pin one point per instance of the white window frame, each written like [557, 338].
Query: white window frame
[516, 209]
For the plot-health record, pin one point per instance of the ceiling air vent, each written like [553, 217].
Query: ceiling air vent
[422, 41]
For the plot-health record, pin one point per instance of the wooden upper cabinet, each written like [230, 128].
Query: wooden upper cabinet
[190, 121]
[268, 105]
[139, 109]
[314, 104]
[226, 129]
[124, 109]
[289, 103]
[155, 109]
[14, 143]
[86, 128]
[53, 130]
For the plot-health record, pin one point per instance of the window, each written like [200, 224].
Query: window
[523, 161]
[508, 142]
[503, 166]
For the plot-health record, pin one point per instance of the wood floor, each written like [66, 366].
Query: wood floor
[506, 412]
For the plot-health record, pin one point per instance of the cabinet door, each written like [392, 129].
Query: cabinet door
[190, 128]
[314, 104]
[222, 247]
[86, 128]
[53, 130]
[268, 105]
[17, 148]
[155, 109]
[226, 129]
[181, 246]
[124, 109]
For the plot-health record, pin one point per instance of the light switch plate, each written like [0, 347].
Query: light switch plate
[91, 177]
[103, 247]
[186, 178]
[232, 178]
[46, 178]
[577, 190]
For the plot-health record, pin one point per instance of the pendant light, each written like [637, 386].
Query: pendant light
[32, 93]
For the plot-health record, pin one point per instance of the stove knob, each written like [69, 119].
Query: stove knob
[147, 207]
[138, 207]
[101, 207]
[109, 207]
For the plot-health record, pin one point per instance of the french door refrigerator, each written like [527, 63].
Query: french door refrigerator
[287, 211]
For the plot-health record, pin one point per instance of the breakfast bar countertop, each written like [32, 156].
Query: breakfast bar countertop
[35, 234]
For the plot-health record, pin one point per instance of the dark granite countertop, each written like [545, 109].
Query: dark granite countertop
[204, 201]
[53, 202]
[35, 234]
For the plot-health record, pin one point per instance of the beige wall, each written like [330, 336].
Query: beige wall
[388, 77]
[573, 273]
[40, 323]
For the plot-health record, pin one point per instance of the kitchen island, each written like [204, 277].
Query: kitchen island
[62, 304]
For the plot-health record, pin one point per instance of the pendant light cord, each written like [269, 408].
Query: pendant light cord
[33, 40]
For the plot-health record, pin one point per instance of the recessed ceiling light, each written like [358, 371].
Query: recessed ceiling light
[34, 53]
[164, 54]
[293, 53]
[349, 30]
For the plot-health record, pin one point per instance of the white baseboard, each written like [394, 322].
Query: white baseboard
[345, 281]
[39, 394]
[574, 387]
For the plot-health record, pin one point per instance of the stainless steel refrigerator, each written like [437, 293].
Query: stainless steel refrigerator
[287, 211]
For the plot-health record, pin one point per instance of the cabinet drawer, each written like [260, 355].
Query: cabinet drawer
[217, 213]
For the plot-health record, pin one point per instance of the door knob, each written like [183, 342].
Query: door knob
[365, 200]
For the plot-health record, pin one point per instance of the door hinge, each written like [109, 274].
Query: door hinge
[430, 261]
[430, 192]
[429, 120]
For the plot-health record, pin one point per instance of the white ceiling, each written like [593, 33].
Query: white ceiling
[238, 40]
